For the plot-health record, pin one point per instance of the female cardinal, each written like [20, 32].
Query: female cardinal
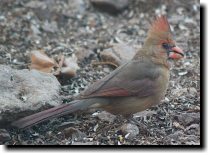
[132, 87]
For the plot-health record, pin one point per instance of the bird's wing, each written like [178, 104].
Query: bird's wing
[124, 82]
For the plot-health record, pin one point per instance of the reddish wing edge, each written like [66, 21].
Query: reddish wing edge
[144, 87]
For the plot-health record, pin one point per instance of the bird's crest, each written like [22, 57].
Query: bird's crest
[160, 29]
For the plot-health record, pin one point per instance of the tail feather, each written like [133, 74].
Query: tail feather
[50, 113]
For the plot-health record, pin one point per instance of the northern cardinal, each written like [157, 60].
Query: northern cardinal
[132, 87]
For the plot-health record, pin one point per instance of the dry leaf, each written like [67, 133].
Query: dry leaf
[41, 62]
[177, 125]
[71, 62]
[68, 72]
[69, 67]
[65, 68]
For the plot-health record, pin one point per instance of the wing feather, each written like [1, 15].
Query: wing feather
[121, 83]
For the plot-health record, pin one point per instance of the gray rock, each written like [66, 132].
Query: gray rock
[110, 6]
[24, 91]
[179, 138]
[75, 6]
[4, 136]
[192, 91]
[36, 4]
[82, 54]
[188, 118]
[130, 130]
[194, 140]
[50, 26]
[174, 137]
[193, 129]
[118, 54]
[74, 133]
[105, 116]
[144, 113]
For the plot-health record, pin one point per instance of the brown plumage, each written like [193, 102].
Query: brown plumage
[132, 87]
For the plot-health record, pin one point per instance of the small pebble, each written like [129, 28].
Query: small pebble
[130, 130]
[4, 136]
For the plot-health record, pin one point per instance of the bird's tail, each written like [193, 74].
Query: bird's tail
[51, 113]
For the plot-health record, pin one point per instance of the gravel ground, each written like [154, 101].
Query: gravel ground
[70, 26]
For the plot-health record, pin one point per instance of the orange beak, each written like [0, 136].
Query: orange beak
[177, 53]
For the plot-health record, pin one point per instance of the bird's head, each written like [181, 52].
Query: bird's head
[160, 40]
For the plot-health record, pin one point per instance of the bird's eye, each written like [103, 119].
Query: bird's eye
[166, 46]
